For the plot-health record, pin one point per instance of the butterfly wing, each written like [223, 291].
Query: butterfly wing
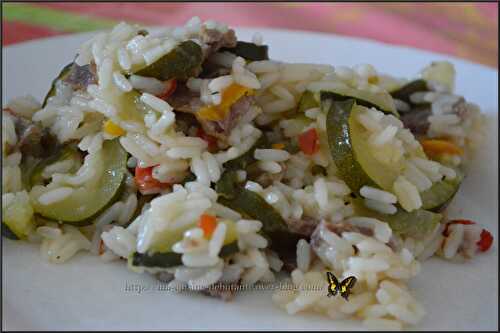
[333, 284]
[346, 285]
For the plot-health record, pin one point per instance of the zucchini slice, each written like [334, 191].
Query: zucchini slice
[441, 193]
[340, 92]
[17, 215]
[86, 202]
[405, 91]
[161, 255]
[62, 75]
[171, 259]
[253, 206]
[164, 240]
[6, 232]
[34, 175]
[381, 101]
[183, 62]
[349, 147]
[350, 151]
[130, 107]
[307, 101]
[247, 158]
[248, 203]
[163, 260]
[249, 51]
[417, 223]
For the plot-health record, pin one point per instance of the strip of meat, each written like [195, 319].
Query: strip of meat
[80, 77]
[304, 226]
[185, 100]
[460, 108]
[216, 40]
[417, 120]
[325, 250]
[33, 139]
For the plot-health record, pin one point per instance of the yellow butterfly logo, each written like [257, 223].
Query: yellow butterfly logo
[343, 287]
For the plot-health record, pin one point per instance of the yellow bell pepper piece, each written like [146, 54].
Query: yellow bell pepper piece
[278, 145]
[113, 129]
[230, 95]
[373, 79]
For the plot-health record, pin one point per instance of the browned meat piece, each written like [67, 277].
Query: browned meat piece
[33, 139]
[212, 128]
[222, 129]
[217, 40]
[286, 247]
[417, 120]
[224, 291]
[289, 262]
[342, 227]
[80, 77]
[265, 179]
[238, 111]
[395, 243]
[185, 100]
[460, 108]
[321, 247]
[304, 226]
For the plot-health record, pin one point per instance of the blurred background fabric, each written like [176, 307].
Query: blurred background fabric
[465, 30]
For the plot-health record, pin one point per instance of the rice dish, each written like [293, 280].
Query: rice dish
[191, 155]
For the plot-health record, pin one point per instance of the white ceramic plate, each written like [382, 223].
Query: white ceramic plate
[89, 294]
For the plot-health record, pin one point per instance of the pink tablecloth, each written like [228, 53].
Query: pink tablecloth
[467, 30]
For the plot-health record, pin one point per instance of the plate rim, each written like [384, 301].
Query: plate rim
[248, 29]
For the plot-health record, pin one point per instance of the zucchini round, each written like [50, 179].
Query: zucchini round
[161, 254]
[183, 62]
[417, 223]
[307, 101]
[350, 151]
[249, 51]
[171, 259]
[89, 200]
[34, 175]
[17, 215]
[164, 241]
[339, 91]
[6, 232]
[253, 206]
[243, 161]
[248, 203]
[62, 75]
[441, 193]
[405, 91]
